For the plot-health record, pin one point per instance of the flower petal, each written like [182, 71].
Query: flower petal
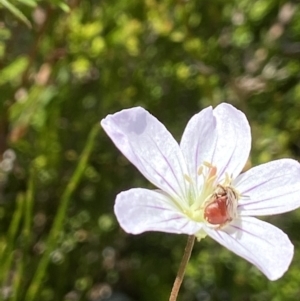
[221, 137]
[198, 141]
[264, 245]
[269, 188]
[140, 210]
[150, 147]
[233, 141]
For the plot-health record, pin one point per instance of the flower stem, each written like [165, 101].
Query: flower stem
[185, 259]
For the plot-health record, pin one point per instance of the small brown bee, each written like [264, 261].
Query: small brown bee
[222, 207]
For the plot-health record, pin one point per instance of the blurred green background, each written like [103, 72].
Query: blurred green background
[65, 65]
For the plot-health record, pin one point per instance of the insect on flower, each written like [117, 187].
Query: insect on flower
[223, 206]
[196, 195]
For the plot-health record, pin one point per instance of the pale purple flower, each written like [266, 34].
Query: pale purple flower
[201, 191]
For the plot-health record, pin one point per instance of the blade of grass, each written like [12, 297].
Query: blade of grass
[60, 216]
[22, 258]
[17, 278]
[11, 235]
[30, 3]
[15, 11]
[28, 210]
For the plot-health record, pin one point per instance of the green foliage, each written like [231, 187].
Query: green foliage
[81, 60]
[15, 11]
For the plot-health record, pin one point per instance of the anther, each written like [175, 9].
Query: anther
[200, 170]
[188, 179]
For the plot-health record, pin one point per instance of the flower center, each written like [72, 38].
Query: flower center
[216, 203]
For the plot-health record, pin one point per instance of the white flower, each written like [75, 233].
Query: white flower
[201, 191]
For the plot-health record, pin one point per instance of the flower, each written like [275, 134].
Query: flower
[201, 191]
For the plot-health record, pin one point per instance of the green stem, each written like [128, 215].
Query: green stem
[60, 216]
[7, 259]
[23, 256]
[29, 209]
[17, 280]
[184, 261]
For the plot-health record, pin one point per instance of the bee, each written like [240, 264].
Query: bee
[222, 207]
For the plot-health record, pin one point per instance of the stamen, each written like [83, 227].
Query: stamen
[188, 179]
[200, 170]
[207, 164]
[210, 180]
[227, 180]
[212, 169]
[212, 172]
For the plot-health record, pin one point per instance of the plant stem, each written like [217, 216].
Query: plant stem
[185, 259]
[8, 254]
[58, 223]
